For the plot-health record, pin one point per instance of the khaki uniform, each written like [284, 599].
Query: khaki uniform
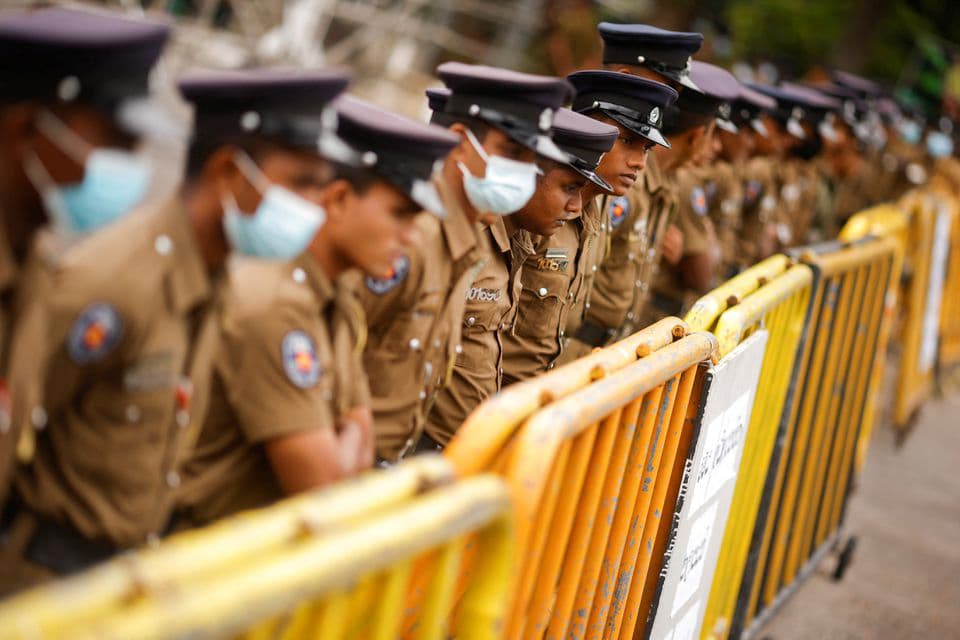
[131, 320]
[290, 360]
[414, 319]
[760, 203]
[724, 190]
[9, 278]
[490, 313]
[903, 168]
[552, 284]
[670, 295]
[797, 199]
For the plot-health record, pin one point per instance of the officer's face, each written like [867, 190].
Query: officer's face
[623, 164]
[556, 200]
[302, 172]
[772, 144]
[707, 146]
[372, 229]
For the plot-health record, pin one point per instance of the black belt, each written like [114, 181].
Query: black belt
[668, 305]
[594, 334]
[426, 444]
[58, 547]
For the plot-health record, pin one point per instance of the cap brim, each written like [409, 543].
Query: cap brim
[727, 126]
[687, 81]
[147, 116]
[542, 144]
[827, 131]
[425, 194]
[760, 128]
[640, 128]
[794, 129]
[593, 177]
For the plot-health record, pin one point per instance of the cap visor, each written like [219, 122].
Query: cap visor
[794, 129]
[594, 177]
[686, 81]
[727, 126]
[760, 128]
[425, 194]
[148, 116]
[639, 128]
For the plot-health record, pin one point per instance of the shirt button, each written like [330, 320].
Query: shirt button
[593, 268]
[436, 343]
[299, 275]
[423, 395]
[471, 321]
[542, 291]
[551, 365]
[415, 344]
[502, 326]
[458, 349]
[409, 442]
[562, 333]
[38, 418]
[586, 306]
[163, 244]
[173, 479]
[638, 283]
[631, 256]
[132, 412]
[183, 418]
[629, 315]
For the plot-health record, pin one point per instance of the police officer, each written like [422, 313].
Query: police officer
[641, 215]
[71, 85]
[691, 124]
[291, 407]
[133, 317]
[554, 216]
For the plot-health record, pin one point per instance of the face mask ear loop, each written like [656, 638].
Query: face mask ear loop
[36, 173]
[477, 146]
[251, 172]
[63, 137]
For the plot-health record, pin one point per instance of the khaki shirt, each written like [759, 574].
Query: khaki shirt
[759, 207]
[724, 190]
[489, 313]
[415, 318]
[692, 218]
[131, 326]
[546, 296]
[9, 434]
[289, 361]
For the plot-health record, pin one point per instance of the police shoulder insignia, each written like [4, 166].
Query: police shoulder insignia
[393, 277]
[752, 191]
[698, 200]
[300, 361]
[94, 333]
[618, 210]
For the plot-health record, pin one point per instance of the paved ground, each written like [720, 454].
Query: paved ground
[905, 578]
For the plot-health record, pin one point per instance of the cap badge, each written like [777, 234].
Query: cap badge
[724, 111]
[392, 278]
[300, 361]
[654, 116]
[94, 333]
[546, 119]
[641, 59]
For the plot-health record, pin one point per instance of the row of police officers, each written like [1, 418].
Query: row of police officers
[333, 286]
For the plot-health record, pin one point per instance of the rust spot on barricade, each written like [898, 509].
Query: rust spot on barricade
[762, 281]
[546, 397]
[733, 301]
[597, 373]
[643, 350]
[678, 332]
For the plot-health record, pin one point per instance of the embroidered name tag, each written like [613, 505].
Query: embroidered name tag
[479, 294]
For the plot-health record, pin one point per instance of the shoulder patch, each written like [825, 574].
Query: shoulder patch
[752, 191]
[698, 200]
[300, 361]
[94, 333]
[394, 277]
[618, 209]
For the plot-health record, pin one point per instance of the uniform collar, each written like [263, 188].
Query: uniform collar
[460, 233]
[8, 266]
[653, 174]
[174, 238]
[316, 278]
[498, 231]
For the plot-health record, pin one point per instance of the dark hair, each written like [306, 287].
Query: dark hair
[201, 148]
[479, 127]
[360, 178]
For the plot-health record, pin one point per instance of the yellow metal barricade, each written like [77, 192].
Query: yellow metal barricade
[595, 478]
[776, 295]
[334, 564]
[949, 350]
[490, 428]
[809, 490]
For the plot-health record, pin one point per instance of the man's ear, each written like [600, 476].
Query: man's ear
[221, 172]
[336, 199]
[17, 128]
[458, 152]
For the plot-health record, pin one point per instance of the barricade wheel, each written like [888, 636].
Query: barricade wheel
[844, 558]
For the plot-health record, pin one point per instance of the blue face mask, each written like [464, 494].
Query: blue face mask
[939, 144]
[282, 226]
[910, 131]
[114, 181]
[506, 186]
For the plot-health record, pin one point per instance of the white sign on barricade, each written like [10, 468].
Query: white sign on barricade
[706, 493]
[938, 269]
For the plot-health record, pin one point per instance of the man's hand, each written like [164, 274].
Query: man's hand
[357, 436]
[671, 245]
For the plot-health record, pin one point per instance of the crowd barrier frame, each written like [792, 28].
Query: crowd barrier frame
[589, 543]
[251, 574]
[774, 294]
[805, 499]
